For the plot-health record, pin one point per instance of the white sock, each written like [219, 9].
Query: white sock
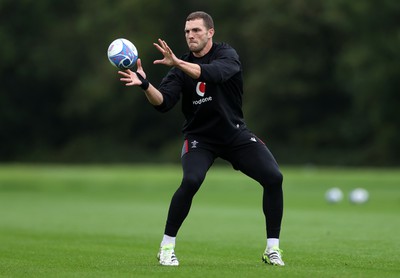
[272, 242]
[168, 240]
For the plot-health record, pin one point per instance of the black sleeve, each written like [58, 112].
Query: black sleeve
[170, 88]
[224, 65]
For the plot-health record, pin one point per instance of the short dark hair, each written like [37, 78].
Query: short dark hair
[208, 21]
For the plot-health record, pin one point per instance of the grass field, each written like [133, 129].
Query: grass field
[107, 221]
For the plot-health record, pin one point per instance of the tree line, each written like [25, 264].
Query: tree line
[321, 79]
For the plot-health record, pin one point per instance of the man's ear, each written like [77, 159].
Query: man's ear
[211, 32]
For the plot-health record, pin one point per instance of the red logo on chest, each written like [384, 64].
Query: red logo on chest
[201, 88]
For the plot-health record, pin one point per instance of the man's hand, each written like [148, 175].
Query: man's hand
[130, 77]
[191, 69]
[169, 57]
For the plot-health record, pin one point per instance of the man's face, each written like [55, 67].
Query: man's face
[197, 35]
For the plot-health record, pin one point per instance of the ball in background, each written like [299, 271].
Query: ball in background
[122, 54]
[359, 196]
[334, 195]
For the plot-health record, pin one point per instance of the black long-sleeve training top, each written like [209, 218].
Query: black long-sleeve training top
[211, 104]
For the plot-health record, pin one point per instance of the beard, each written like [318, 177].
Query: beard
[197, 47]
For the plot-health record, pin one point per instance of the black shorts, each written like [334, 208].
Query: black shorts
[246, 153]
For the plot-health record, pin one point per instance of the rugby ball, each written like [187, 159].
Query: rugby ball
[122, 54]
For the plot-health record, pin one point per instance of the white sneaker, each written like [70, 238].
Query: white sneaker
[166, 256]
[273, 256]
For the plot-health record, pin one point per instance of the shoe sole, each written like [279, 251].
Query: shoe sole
[164, 264]
[267, 261]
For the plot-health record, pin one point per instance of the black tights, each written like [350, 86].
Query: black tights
[254, 160]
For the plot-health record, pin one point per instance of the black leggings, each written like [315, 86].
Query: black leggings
[247, 154]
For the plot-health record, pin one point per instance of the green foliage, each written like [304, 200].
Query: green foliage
[368, 67]
[321, 81]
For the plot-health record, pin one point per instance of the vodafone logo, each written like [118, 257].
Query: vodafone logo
[201, 88]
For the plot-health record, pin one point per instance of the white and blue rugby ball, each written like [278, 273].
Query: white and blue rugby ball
[334, 195]
[359, 196]
[122, 54]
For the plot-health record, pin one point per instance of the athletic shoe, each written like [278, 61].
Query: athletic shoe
[273, 256]
[166, 256]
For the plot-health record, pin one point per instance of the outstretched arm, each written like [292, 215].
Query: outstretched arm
[132, 79]
[193, 70]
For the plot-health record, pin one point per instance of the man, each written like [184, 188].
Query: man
[209, 81]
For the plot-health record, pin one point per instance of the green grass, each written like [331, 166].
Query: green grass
[107, 221]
